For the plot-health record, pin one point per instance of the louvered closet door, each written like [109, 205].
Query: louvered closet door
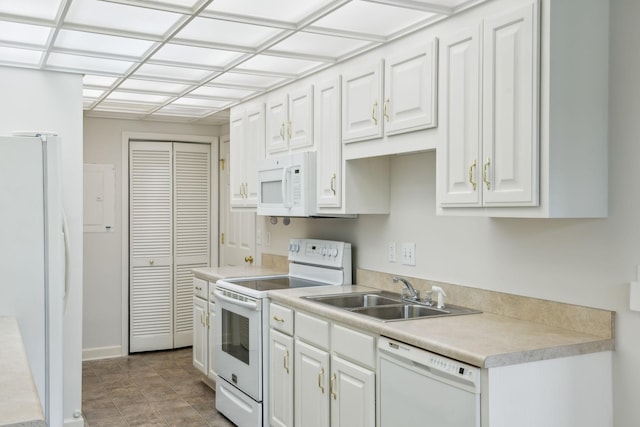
[150, 247]
[192, 231]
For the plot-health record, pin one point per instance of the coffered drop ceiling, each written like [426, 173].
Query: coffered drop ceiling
[191, 60]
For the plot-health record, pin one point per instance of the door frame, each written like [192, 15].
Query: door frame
[124, 233]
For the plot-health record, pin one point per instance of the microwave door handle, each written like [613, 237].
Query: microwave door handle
[286, 172]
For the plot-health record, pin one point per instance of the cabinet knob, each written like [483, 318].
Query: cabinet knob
[385, 110]
[248, 259]
[151, 262]
[278, 319]
[333, 184]
[373, 112]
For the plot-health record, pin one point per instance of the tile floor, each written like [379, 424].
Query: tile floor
[159, 388]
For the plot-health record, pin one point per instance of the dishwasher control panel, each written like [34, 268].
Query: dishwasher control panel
[434, 363]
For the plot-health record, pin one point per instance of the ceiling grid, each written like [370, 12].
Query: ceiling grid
[191, 60]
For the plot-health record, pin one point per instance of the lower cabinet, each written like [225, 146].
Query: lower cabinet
[322, 374]
[203, 328]
[281, 379]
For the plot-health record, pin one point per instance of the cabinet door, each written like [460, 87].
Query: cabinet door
[280, 379]
[353, 393]
[253, 149]
[410, 90]
[278, 124]
[510, 110]
[327, 137]
[236, 155]
[300, 125]
[459, 167]
[311, 386]
[362, 104]
[200, 334]
[211, 328]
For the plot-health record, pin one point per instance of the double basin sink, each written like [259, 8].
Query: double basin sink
[388, 306]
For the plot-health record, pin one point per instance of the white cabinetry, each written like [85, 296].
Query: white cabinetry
[203, 327]
[498, 93]
[334, 374]
[247, 144]
[281, 357]
[289, 122]
[410, 87]
[522, 130]
[200, 330]
[362, 103]
[327, 137]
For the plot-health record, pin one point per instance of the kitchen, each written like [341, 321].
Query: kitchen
[580, 261]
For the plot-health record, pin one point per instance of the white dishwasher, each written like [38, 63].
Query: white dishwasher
[417, 388]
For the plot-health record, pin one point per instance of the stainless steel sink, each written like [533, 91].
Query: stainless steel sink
[356, 300]
[387, 306]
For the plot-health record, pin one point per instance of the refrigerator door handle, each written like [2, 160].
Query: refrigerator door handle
[67, 251]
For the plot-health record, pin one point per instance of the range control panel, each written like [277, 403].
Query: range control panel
[326, 253]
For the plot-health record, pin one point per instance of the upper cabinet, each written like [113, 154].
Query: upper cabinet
[523, 112]
[410, 87]
[362, 103]
[327, 136]
[289, 122]
[247, 136]
[498, 93]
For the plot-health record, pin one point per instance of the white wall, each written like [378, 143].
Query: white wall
[103, 297]
[586, 262]
[47, 101]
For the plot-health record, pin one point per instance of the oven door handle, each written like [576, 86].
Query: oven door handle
[253, 305]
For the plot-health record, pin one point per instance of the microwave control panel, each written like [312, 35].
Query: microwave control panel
[296, 186]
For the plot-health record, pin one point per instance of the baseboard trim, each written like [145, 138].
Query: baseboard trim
[97, 353]
[76, 422]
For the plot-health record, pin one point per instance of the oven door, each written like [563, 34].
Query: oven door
[238, 341]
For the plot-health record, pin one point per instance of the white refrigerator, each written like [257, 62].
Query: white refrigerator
[32, 258]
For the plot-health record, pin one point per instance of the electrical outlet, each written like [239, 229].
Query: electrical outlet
[392, 251]
[259, 237]
[409, 254]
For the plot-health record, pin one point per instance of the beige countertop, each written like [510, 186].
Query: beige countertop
[19, 402]
[485, 340]
[216, 273]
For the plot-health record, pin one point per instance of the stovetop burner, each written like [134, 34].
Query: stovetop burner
[274, 283]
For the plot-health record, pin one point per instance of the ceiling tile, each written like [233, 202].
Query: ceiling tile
[122, 17]
[24, 33]
[184, 111]
[42, 9]
[83, 41]
[198, 102]
[124, 107]
[319, 45]
[276, 64]
[100, 81]
[20, 56]
[291, 11]
[171, 73]
[137, 97]
[221, 92]
[77, 63]
[381, 20]
[153, 86]
[225, 32]
[253, 81]
[92, 93]
[195, 55]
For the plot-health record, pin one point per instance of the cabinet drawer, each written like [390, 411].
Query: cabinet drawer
[281, 318]
[312, 330]
[353, 345]
[200, 288]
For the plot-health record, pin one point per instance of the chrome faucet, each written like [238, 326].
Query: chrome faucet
[415, 295]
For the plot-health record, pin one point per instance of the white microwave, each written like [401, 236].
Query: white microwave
[287, 185]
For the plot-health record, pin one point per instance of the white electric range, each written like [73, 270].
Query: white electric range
[242, 313]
